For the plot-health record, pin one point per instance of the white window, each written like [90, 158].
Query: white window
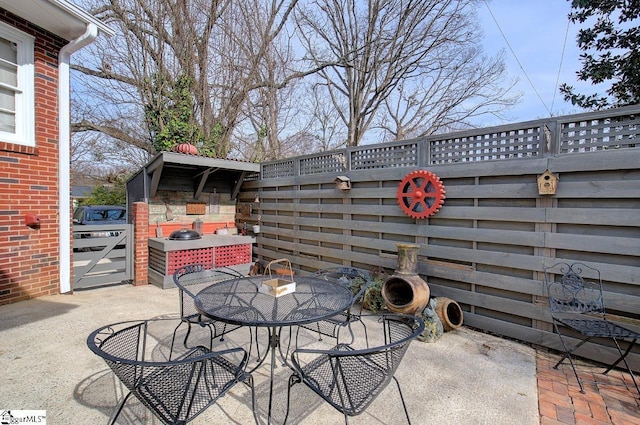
[16, 86]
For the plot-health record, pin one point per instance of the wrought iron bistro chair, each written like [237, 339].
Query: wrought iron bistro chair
[349, 378]
[357, 280]
[190, 280]
[178, 390]
[576, 302]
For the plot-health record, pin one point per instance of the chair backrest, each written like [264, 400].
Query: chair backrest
[192, 279]
[174, 390]
[574, 289]
[355, 377]
[357, 280]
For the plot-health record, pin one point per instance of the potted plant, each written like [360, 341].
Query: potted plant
[256, 227]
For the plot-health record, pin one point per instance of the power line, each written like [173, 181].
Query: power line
[516, 57]
[564, 46]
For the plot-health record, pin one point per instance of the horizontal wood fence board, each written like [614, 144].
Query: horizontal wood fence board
[312, 262]
[516, 261]
[494, 303]
[621, 302]
[593, 243]
[527, 215]
[621, 159]
[343, 255]
[382, 210]
[355, 225]
[499, 236]
[495, 191]
[489, 280]
[515, 167]
[599, 189]
[601, 216]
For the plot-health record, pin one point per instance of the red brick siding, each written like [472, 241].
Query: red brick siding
[140, 215]
[29, 258]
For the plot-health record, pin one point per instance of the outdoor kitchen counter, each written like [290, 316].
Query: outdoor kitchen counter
[207, 241]
[165, 255]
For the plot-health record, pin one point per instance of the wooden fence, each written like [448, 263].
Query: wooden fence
[489, 244]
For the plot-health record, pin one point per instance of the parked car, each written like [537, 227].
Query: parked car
[98, 214]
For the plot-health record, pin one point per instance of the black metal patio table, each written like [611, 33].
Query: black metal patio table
[239, 302]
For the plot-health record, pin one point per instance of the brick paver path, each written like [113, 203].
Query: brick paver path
[561, 402]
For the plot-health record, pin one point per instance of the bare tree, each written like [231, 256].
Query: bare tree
[466, 85]
[381, 44]
[325, 120]
[180, 68]
[270, 116]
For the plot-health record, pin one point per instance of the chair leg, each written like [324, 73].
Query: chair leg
[120, 406]
[186, 337]
[249, 382]
[251, 339]
[404, 406]
[283, 356]
[622, 356]
[624, 359]
[293, 379]
[212, 335]
[366, 335]
[567, 355]
[224, 331]
[173, 339]
[319, 333]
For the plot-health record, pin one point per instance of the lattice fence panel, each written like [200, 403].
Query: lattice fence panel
[278, 169]
[323, 163]
[520, 143]
[402, 155]
[600, 134]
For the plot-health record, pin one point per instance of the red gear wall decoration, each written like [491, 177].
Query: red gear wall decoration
[421, 194]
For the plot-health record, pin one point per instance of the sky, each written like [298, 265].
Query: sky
[535, 30]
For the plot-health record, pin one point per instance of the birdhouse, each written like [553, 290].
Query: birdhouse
[343, 183]
[547, 183]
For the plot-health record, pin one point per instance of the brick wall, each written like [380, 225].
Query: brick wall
[29, 258]
[140, 217]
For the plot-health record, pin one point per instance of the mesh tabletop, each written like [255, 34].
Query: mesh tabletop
[238, 301]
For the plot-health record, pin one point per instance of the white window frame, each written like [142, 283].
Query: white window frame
[25, 108]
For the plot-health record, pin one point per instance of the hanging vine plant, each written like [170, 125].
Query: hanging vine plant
[170, 116]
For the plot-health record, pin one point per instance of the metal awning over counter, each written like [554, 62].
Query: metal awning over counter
[190, 173]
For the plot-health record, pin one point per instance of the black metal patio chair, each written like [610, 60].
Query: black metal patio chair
[175, 391]
[351, 378]
[577, 309]
[357, 280]
[190, 280]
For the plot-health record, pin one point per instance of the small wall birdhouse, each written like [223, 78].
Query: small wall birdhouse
[547, 183]
[343, 183]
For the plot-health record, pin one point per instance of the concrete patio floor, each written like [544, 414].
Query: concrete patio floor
[466, 377]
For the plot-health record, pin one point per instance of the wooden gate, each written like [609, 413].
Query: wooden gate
[102, 254]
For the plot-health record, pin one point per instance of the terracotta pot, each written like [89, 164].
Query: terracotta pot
[405, 291]
[187, 148]
[449, 312]
[407, 294]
